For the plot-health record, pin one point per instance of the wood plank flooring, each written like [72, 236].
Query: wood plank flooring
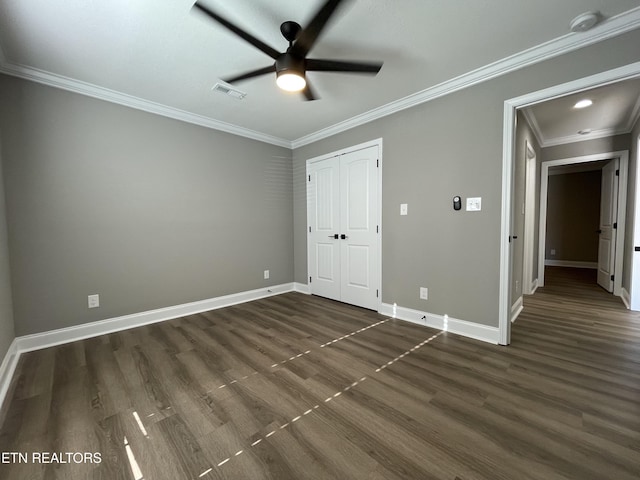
[299, 387]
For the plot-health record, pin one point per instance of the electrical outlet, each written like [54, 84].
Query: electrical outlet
[517, 286]
[424, 293]
[553, 251]
[93, 301]
[266, 274]
[404, 209]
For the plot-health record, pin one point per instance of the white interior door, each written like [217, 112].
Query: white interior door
[324, 225]
[343, 229]
[608, 218]
[358, 220]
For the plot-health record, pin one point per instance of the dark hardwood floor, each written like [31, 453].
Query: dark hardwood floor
[298, 387]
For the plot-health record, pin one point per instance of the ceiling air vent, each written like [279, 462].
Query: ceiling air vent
[227, 90]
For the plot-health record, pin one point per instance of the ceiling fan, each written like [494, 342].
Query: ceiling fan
[291, 66]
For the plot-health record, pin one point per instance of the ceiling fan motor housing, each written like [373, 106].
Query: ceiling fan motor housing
[288, 63]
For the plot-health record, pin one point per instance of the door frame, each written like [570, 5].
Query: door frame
[623, 156]
[361, 146]
[529, 285]
[634, 288]
[508, 159]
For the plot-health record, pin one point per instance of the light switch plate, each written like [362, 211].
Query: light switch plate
[474, 204]
[404, 209]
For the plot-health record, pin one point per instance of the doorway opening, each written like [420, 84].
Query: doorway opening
[511, 107]
[611, 238]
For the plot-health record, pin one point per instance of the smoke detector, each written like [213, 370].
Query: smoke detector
[228, 90]
[584, 22]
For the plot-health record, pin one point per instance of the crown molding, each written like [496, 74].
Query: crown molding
[610, 28]
[535, 127]
[101, 93]
[575, 138]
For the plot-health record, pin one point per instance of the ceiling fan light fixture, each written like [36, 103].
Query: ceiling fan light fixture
[291, 81]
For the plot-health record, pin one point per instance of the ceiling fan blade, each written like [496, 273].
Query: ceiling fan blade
[251, 74]
[316, 65]
[309, 35]
[272, 52]
[308, 93]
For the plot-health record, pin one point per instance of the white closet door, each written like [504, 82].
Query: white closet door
[358, 223]
[343, 237]
[324, 220]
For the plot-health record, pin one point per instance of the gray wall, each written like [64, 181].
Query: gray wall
[573, 216]
[146, 211]
[445, 147]
[524, 133]
[7, 333]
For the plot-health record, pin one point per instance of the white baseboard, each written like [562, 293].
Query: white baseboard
[626, 298]
[571, 263]
[51, 338]
[301, 288]
[7, 368]
[534, 286]
[442, 322]
[516, 308]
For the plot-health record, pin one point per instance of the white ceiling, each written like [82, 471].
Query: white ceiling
[615, 110]
[165, 57]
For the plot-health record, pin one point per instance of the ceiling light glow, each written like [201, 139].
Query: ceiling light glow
[583, 103]
[291, 82]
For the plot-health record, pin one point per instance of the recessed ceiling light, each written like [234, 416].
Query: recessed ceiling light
[584, 22]
[583, 103]
[586, 131]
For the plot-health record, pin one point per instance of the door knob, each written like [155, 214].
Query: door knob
[343, 236]
[335, 236]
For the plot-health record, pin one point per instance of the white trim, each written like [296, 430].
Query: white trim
[302, 288]
[52, 338]
[634, 286]
[101, 93]
[575, 138]
[618, 25]
[626, 298]
[509, 125]
[530, 169]
[516, 309]
[534, 287]
[476, 331]
[571, 264]
[532, 120]
[7, 368]
[508, 158]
